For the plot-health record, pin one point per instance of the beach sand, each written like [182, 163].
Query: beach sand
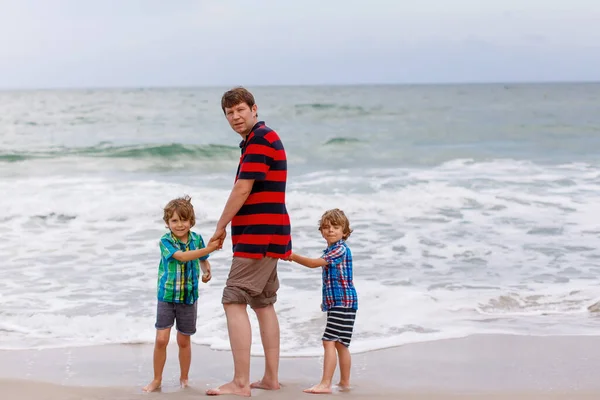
[476, 367]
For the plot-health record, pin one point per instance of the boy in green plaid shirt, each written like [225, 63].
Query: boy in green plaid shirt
[183, 255]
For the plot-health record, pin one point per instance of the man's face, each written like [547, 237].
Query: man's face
[241, 118]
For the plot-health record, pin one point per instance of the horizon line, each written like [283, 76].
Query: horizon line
[287, 85]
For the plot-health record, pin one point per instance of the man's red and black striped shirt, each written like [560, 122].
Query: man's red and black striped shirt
[262, 226]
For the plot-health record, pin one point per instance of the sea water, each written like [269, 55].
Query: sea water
[475, 208]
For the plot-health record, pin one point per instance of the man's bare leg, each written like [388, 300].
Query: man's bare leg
[159, 359]
[269, 334]
[185, 358]
[345, 365]
[329, 364]
[240, 339]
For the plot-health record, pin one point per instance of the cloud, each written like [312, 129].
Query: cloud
[189, 42]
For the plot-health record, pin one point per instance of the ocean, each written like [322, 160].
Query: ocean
[475, 208]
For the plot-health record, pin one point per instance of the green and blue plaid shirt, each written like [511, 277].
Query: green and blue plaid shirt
[178, 281]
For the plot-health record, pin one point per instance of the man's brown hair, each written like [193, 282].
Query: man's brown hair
[235, 96]
[183, 207]
[336, 217]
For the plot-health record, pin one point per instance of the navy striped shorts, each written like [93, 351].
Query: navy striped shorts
[340, 324]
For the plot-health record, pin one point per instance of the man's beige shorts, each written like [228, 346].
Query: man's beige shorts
[252, 281]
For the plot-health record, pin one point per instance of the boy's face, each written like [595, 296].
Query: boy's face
[179, 227]
[332, 233]
[241, 118]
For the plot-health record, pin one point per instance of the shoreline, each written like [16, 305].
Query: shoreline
[513, 366]
[392, 347]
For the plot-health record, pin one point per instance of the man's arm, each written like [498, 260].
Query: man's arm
[240, 192]
[308, 262]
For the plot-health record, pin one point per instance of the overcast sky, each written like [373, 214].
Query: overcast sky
[89, 43]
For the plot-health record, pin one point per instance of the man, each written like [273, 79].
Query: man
[260, 233]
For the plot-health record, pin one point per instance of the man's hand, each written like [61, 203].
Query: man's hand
[290, 257]
[219, 235]
[214, 245]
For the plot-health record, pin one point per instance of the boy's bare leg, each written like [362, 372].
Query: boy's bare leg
[269, 334]
[185, 357]
[345, 365]
[160, 357]
[240, 339]
[329, 364]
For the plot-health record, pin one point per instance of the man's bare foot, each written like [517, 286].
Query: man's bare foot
[183, 383]
[344, 387]
[152, 386]
[265, 385]
[318, 389]
[229, 388]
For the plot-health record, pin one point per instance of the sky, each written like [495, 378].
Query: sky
[156, 43]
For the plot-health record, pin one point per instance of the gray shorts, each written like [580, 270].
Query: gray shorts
[184, 314]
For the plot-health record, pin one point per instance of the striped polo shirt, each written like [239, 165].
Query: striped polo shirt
[262, 225]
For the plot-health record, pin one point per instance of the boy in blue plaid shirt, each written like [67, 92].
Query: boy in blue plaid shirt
[340, 300]
[183, 255]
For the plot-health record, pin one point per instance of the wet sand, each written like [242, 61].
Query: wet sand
[477, 367]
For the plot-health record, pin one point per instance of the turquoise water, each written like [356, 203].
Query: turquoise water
[475, 207]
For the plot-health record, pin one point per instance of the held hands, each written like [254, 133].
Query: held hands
[218, 237]
[290, 257]
[214, 245]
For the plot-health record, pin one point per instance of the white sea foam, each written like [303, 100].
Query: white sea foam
[467, 247]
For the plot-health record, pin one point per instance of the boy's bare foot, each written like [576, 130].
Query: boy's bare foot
[183, 383]
[229, 388]
[152, 386]
[318, 389]
[265, 385]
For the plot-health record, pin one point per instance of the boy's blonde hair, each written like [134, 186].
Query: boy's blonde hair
[338, 218]
[183, 207]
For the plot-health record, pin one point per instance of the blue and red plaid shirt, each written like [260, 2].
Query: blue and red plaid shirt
[338, 288]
